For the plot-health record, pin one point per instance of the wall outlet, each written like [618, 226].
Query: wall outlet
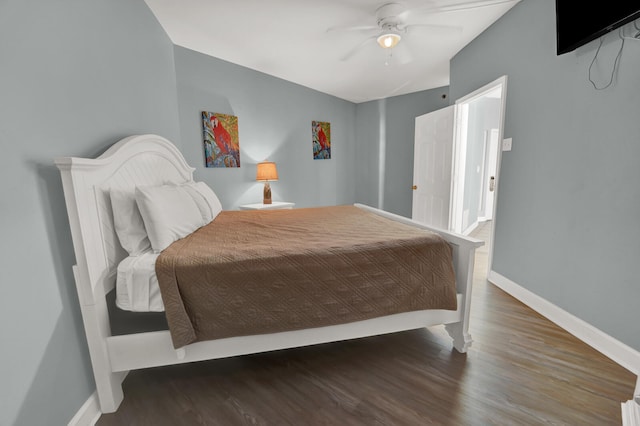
[506, 144]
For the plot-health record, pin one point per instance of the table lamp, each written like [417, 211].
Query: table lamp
[266, 171]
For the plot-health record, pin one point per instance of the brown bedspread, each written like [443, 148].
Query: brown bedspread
[254, 272]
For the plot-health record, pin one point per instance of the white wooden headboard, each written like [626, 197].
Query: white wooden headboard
[133, 161]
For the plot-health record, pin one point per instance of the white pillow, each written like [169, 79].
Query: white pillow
[169, 213]
[128, 222]
[205, 198]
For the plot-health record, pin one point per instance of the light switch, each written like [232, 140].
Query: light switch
[506, 144]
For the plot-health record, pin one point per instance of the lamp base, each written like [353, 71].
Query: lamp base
[266, 197]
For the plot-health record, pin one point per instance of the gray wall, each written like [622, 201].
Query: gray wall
[274, 122]
[388, 126]
[75, 77]
[569, 199]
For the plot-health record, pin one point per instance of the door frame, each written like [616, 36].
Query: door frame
[460, 120]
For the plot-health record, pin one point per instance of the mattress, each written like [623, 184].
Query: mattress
[137, 287]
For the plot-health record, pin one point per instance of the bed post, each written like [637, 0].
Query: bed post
[464, 258]
[91, 293]
[108, 384]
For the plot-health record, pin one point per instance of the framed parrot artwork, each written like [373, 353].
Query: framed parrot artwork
[221, 142]
[321, 140]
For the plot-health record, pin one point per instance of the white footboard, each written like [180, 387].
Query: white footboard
[464, 251]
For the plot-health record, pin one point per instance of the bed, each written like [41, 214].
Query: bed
[102, 262]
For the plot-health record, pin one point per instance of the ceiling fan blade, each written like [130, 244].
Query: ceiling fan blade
[452, 29]
[352, 28]
[460, 6]
[355, 50]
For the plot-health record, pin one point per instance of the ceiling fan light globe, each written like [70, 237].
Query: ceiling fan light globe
[389, 40]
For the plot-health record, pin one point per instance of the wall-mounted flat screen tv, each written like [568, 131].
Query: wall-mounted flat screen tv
[578, 23]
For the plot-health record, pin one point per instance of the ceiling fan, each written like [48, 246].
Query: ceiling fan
[392, 23]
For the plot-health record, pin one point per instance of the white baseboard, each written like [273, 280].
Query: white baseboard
[617, 351]
[88, 414]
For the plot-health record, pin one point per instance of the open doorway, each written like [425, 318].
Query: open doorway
[478, 132]
[457, 164]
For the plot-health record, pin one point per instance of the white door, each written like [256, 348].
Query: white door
[432, 157]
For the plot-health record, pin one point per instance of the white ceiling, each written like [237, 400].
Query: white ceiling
[289, 39]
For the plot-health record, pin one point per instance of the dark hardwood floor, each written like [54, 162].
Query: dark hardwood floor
[521, 370]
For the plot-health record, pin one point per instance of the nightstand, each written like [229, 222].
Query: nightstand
[275, 205]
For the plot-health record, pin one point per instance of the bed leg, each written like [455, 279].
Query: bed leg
[97, 329]
[461, 338]
[108, 383]
[464, 260]
[109, 387]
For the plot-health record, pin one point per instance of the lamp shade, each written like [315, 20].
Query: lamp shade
[388, 40]
[266, 171]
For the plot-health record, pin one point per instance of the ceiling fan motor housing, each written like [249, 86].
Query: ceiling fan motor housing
[388, 16]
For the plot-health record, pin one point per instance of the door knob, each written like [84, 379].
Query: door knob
[414, 187]
[492, 183]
